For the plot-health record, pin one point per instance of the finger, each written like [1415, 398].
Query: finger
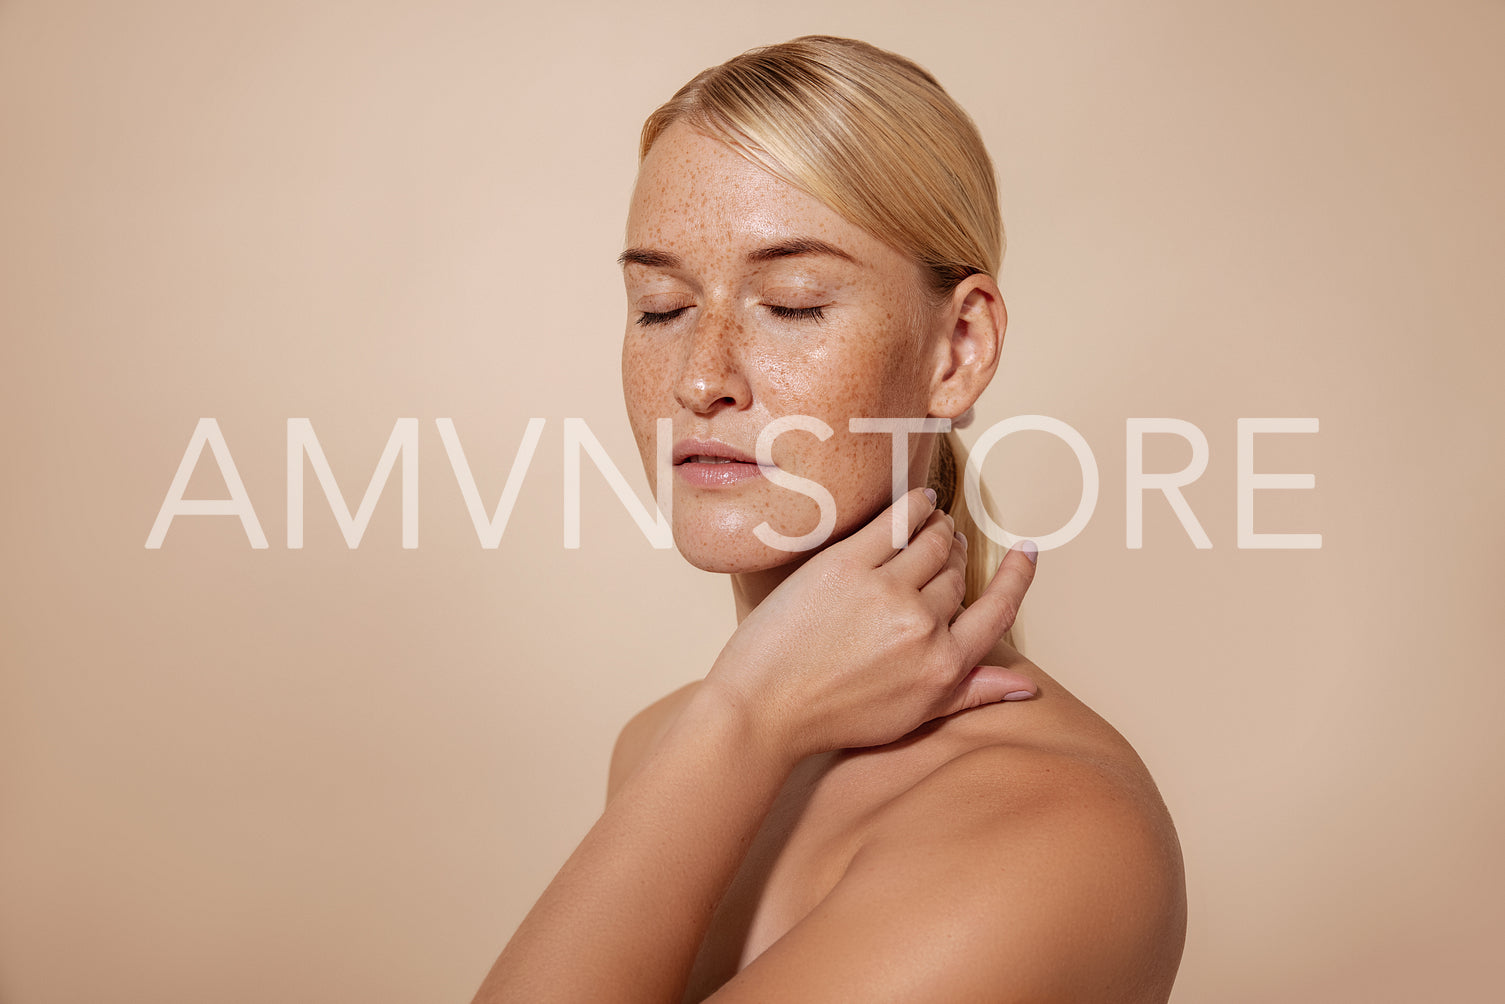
[948, 587]
[927, 553]
[874, 543]
[989, 685]
[994, 612]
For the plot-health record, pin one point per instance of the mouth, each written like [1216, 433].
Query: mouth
[708, 463]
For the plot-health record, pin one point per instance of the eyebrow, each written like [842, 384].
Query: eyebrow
[798, 246]
[783, 249]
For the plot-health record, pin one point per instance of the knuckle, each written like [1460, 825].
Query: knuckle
[908, 624]
[911, 624]
[955, 580]
[934, 546]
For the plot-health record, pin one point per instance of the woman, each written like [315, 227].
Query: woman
[872, 796]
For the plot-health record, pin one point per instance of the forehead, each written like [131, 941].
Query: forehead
[695, 190]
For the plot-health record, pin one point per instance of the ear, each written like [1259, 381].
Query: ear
[967, 356]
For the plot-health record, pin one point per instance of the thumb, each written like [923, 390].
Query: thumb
[989, 685]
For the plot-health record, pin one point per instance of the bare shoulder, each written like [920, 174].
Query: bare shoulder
[642, 731]
[1050, 762]
[1055, 839]
[1012, 872]
[1094, 819]
[1028, 857]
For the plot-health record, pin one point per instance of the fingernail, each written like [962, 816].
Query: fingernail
[930, 494]
[961, 538]
[1030, 550]
[1018, 695]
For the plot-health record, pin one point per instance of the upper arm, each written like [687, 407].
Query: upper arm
[640, 733]
[1048, 883]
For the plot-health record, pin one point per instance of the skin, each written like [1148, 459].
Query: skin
[726, 363]
[844, 809]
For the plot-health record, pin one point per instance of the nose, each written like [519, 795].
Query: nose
[711, 376]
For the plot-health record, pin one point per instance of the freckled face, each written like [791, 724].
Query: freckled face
[737, 317]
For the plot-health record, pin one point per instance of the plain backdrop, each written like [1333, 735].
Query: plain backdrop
[330, 774]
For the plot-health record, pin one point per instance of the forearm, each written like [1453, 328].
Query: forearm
[629, 908]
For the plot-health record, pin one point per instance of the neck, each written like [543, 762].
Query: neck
[751, 588]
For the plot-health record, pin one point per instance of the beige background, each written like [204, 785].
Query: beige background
[325, 775]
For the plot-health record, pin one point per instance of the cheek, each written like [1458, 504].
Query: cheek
[874, 377]
[645, 376]
[645, 389]
[857, 468]
[860, 376]
[787, 380]
[855, 376]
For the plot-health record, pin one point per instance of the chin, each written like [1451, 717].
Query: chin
[730, 547]
[726, 557]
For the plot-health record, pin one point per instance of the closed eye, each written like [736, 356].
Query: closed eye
[797, 313]
[660, 317]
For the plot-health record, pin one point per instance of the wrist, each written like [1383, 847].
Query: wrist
[744, 727]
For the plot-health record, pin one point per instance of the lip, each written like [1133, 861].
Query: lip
[729, 466]
[687, 448]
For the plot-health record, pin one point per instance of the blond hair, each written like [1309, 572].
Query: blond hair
[874, 137]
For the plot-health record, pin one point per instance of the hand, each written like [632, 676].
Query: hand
[858, 647]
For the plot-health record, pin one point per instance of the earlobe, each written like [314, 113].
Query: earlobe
[970, 353]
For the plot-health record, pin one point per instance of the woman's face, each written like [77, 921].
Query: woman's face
[748, 301]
